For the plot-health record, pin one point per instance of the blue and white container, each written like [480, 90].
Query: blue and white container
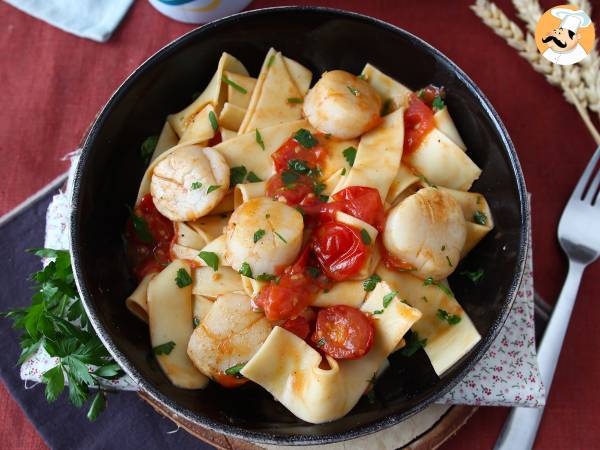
[198, 11]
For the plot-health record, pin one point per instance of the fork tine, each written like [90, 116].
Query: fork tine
[585, 176]
[591, 193]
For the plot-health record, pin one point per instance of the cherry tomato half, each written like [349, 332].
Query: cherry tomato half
[343, 332]
[418, 121]
[339, 250]
[364, 203]
[230, 381]
[293, 193]
[300, 326]
[291, 149]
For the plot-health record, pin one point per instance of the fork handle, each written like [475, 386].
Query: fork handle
[520, 429]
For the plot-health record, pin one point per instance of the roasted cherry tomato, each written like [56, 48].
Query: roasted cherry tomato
[149, 243]
[216, 139]
[293, 192]
[293, 150]
[418, 121]
[364, 203]
[430, 92]
[300, 326]
[343, 332]
[230, 381]
[393, 262]
[339, 250]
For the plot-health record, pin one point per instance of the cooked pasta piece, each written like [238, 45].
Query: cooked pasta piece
[393, 94]
[444, 123]
[230, 334]
[188, 237]
[231, 116]
[210, 227]
[246, 191]
[189, 182]
[427, 230]
[237, 96]
[200, 129]
[171, 325]
[166, 140]
[342, 105]
[211, 284]
[349, 293]
[137, 302]
[291, 370]
[449, 332]
[200, 307]
[264, 235]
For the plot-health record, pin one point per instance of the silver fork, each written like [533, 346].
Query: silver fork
[579, 237]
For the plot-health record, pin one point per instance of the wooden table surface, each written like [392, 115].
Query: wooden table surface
[54, 83]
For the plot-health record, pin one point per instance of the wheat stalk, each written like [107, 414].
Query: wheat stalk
[569, 79]
[529, 11]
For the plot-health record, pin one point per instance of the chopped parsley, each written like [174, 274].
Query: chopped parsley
[479, 217]
[443, 315]
[237, 175]
[387, 299]
[429, 281]
[324, 198]
[343, 171]
[321, 342]
[438, 103]
[279, 236]
[164, 349]
[426, 181]
[305, 138]
[267, 277]
[365, 236]
[183, 278]
[443, 247]
[370, 283]
[211, 259]
[313, 271]
[141, 228]
[246, 270]
[258, 235]
[475, 276]
[196, 185]
[299, 166]
[259, 139]
[252, 177]
[449, 262]
[319, 187]
[195, 321]
[234, 85]
[213, 121]
[147, 148]
[234, 371]
[213, 187]
[350, 155]
[271, 61]
[353, 91]
[413, 344]
[294, 100]
[289, 177]
[362, 76]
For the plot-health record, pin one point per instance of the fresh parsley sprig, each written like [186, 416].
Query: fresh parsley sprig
[57, 322]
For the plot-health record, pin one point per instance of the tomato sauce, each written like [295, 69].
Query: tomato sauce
[149, 235]
[418, 122]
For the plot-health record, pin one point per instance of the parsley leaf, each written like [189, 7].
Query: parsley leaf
[234, 85]
[195, 321]
[97, 407]
[350, 155]
[246, 270]
[196, 185]
[475, 276]
[271, 61]
[449, 262]
[321, 342]
[370, 283]
[214, 123]
[183, 278]
[443, 315]
[211, 259]
[353, 91]
[299, 166]
[237, 175]
[266, 277]
[413, 344]
[288, 177]
[141, 228]
[479, 218]
[319, 187]
[147, 148]
[387, 299]
[438, 103]
[279, 236]
[365, 236]
[305, 138]
[386, 108]
[258, 235]
[259, 139]
[343, 171]
[252, 177]
[164, 349]
[235, 370]
[55, 383]
[295, 100]
[314, 272]
[429, 281]
[362, 76]
[213, 187]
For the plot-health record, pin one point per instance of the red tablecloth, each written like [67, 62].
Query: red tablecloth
[53, 84]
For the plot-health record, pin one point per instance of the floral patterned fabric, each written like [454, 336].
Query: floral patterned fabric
[507, 375]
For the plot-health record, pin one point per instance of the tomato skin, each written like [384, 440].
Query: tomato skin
[300, 326]
[430, 92]
[215, 140]
[339, 250]
[364, 203]
[418, 121]
[149, 257]
[343, 332]
[291, 149]
[293, 194]
[229, 381]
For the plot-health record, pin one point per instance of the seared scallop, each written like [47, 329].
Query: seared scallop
[230, 334]
[189, 182]
[342, 105]
[428, 231]
[265, 234]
